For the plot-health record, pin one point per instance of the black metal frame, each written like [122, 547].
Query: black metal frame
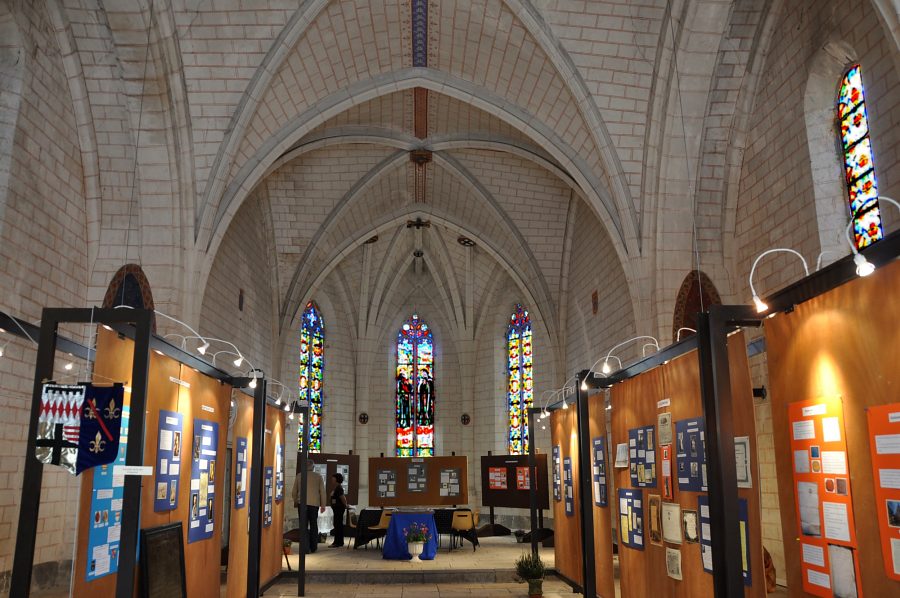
[29, 506]
[135, 324]
[301, 495]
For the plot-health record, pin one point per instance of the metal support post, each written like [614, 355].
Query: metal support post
[257, 459]
[589, 575]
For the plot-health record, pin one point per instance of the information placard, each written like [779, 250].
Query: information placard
[642, 457]
[240, 474]
[450, 481]
[105, 526]
[557, 465]
[497, 478]
[599, 470]
[569, 486]
[387, 483]
[168, 461]
[279, 472]
[690, 454]
[884, 439]
[204, 475]
[267, 505]
[416, 478]
[631, 518]
[827, 531]
[705, 533]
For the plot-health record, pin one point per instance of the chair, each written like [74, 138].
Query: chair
[380, 530]
[367, 518]
[464, 527]
[443, 521]
[350, 525]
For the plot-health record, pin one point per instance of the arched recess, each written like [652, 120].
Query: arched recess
[819, 110]
[696, 294]
[12, 68]
[129, 286]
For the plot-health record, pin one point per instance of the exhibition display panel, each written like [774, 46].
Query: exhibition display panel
[418, 481]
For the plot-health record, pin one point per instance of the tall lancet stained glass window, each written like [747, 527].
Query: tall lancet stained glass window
[415, 389]
[859, 165]
[520, 388]
[312, 366]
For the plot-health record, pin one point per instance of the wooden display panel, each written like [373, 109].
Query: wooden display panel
[332, 460]
[634, 404]
[512, 497]
[431, 496]
[207, 399]
[843, 343]
[567, 529]
[272, 536]
[603, 532]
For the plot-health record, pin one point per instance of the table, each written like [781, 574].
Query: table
[395, 542]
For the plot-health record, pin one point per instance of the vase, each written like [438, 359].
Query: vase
[535, 588]
[416, 549]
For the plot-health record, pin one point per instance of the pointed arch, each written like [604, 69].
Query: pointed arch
[696, 294]
[520, 379]
[129, 286]
[312, 374]
[415, 389]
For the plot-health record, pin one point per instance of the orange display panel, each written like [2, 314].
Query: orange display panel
[884, 439]
[824, 505]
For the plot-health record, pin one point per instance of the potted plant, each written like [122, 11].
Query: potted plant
[416, 535]
[530, 568]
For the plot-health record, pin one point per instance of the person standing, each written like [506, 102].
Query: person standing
[339, 506]
[315, 503]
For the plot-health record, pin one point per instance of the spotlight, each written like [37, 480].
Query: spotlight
[606, 369]
[760, 304]
[239, 361]
[584, 385]
[291, 416]
[69, 365]
[543, 427]
[252, 383]
[202, 348]
[863, 266]
[565, 405]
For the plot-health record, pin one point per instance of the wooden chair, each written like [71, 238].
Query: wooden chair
[380, 530]
[464, 527]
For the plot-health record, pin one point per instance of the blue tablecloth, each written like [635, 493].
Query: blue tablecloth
[395, 542]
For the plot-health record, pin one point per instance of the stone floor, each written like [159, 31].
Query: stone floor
[552, 589]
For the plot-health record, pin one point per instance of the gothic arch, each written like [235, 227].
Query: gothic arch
[129, 286]
[696, 294]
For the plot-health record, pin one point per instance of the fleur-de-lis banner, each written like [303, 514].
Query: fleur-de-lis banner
[57, 437]
[101, 424]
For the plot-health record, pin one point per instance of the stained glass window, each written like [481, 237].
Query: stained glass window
[520, 388]
[415, 389]
[312, 366]
[859, 166]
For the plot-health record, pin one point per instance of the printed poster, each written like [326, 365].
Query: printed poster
[497, 478]
[240, 474]
[523, 478]
[631, 518]
[105, 526]
[642, 457]
[884, 440]
[690, 454]
[569, 485]
[204, 475]
[827, 532]
[599, 470]
[267, 505]
[168, 461]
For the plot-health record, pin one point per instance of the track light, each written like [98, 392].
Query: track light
[760, 305]
[863, 266]
[202, 348]
[584, 385]
[252, 383]
[565, 405]
[239, 361]
[606, 369]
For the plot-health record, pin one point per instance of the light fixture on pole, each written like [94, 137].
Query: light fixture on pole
[678, 332]
[863, 266]
[759, 303]
[607, 369]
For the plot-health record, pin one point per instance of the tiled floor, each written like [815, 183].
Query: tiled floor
[493, 554]
[552, 589]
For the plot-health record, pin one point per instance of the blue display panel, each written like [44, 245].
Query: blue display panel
[642, 457]
[168, 461]
[557, 489]
[570, 491]
[240, 474]
[279, 472]
[690, 454]
[105, 526]
[203, 480]
[599, 471]
[631, 518]
[267, 505]
[706, 539]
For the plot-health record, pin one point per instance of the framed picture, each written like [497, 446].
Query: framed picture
[162, 562]
[655, 504]
[689, 521]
